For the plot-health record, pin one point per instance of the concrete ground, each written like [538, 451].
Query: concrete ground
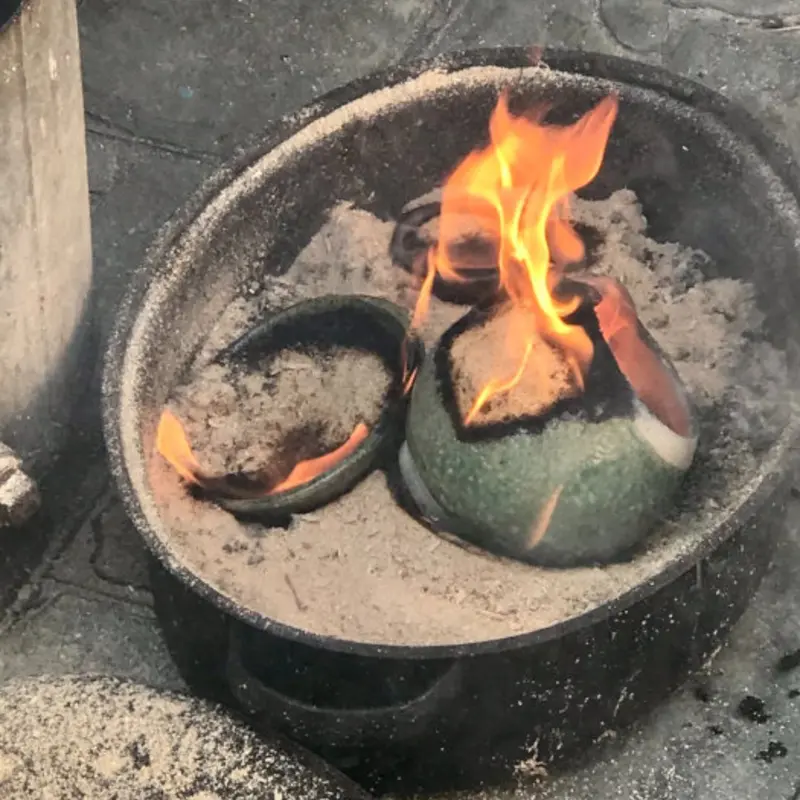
[171, 89]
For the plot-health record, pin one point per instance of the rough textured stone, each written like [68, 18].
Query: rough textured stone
[640, 26]
[104, 164]
[756, 67]
[71, 633]
[120, 556]
[106, 556]
[569, 23]
[136, 187]
[207, 75]
[742, 8]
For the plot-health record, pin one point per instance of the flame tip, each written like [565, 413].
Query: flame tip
[526, 175]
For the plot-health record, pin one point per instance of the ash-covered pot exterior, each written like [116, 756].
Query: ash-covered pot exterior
[469, 717]
[128, 715]
[438, 717]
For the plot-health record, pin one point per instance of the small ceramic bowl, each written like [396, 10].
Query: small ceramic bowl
[334, 320]
[582, 483]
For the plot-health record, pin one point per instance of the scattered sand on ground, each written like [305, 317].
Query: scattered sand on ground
[99, 737]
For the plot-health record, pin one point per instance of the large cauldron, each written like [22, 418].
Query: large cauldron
[437, 717]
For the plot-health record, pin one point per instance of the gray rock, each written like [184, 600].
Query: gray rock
[641, 26]
[208, 75]
[741, 8]
[138, 187]
[755, 67]
[72, 633]
[121, 556]
[570, 23]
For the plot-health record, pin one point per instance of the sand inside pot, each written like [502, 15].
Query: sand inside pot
[362, 569]
[492, 352]
[269, 418]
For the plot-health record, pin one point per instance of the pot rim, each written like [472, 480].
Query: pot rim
[11, 12]
[701, 99]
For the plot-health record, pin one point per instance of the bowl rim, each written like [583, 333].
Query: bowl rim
[354, 467]
[702, 100]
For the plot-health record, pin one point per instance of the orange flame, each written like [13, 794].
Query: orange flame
[518, 188]
[173, 445]
[545, 517]
[304, 471]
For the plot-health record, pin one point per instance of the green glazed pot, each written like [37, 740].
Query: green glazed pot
[582, 485]
[346, 320]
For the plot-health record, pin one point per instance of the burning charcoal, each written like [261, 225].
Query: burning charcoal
[549, 471]
[307, 443]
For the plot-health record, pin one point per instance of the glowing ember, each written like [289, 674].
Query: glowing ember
[519, 187]
[173, 445]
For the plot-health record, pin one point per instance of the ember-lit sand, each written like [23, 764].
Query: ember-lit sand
[242, 420]
[361, 569]
[487, 350]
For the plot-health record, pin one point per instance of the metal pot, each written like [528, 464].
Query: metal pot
[460, 715]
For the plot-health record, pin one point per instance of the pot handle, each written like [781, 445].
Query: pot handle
[345, 726]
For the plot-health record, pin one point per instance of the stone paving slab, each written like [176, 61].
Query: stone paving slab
[105, 556]
[208, 74]
[70, 631]
[572, 24]
[135, 187]
[171, 88]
